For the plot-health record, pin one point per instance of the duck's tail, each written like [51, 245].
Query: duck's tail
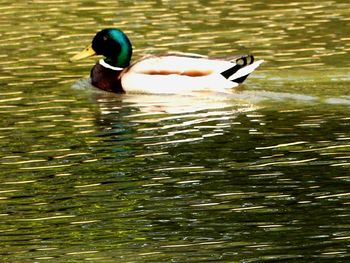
[244, 65]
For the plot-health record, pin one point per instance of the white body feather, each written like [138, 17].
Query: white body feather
[178, 74]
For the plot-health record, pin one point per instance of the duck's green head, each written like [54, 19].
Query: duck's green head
[111, 43]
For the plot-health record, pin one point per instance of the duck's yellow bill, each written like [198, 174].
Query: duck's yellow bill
[87, 52]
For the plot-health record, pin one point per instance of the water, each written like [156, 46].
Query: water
[259, 175]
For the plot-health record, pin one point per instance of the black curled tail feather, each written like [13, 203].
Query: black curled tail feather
[241, 62]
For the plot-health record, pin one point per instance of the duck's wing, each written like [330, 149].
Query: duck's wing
[176, 74]
[238, 68]
[180, 65]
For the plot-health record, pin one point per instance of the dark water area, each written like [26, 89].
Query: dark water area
[259, 175]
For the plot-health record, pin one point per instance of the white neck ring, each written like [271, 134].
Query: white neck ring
[106, 65]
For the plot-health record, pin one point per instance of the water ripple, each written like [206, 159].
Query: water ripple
[89, 176]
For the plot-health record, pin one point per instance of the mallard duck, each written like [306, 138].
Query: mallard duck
[169, 73]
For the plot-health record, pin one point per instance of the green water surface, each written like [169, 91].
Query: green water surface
[259, 175]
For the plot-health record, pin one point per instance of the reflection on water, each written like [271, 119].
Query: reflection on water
[258, 175]
[125, 180]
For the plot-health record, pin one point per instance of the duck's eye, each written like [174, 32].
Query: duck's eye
[105, 38]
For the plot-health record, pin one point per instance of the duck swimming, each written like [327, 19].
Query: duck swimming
[166, 74]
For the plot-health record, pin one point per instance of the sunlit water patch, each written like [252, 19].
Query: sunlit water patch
[258, 174]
